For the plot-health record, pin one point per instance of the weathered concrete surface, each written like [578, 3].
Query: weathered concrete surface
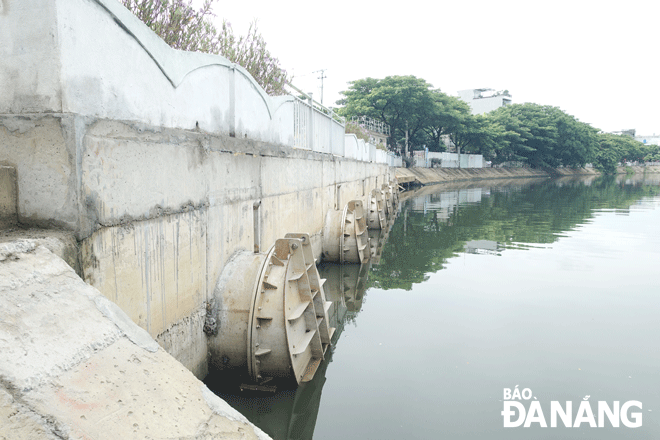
[74, 366]
[61, 243]
[457, 185]
[653, 169]
[42, 150]
[427, 176]
[159, 211]
[165, 210]
[8, 197]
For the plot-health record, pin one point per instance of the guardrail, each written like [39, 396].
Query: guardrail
[319, 128]
[315, 126]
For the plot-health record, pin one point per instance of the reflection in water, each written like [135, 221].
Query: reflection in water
[442, 222]
[435, 225]
[489, 247]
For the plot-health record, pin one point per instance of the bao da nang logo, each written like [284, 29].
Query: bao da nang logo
[521, 408]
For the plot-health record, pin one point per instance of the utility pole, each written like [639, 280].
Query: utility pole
[321, 78]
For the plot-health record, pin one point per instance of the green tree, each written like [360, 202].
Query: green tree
[513, 133]
[494, 141]
[477, 134]
[544, 136]
[183, 27]
[577, 142]
[448, 113]
[653, 154]
[609, 152]
[402, 102]
[540, 134]
[613, 149]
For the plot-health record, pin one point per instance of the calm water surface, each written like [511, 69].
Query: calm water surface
[548, 285]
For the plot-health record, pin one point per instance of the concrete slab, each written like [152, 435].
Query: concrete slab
[74, 365]
[61, 243]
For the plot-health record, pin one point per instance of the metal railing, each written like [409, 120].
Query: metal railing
[315, 126]
[319, 128]
[371, 124]
[301, 122]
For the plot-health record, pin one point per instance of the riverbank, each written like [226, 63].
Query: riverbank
[429, 176]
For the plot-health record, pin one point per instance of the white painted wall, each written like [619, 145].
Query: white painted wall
[360, 150]
[72, 56]
[29, 56]
[450, 160]
[351, 146]
[649, 140]
[480, 103]
[94, 58]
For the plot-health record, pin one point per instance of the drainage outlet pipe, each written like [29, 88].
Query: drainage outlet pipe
[389, 199]
[376, 210]
[272, 316]
[345, 237]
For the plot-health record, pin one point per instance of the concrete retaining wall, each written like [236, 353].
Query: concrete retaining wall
[426, 176]
[162, 163]
[159, 211]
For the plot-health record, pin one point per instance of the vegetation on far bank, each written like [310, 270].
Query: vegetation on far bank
[535, 135]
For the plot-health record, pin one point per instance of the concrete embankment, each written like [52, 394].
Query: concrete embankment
[428, 176]
[162, 164]
[75, 366]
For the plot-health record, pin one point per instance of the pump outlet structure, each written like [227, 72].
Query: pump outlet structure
[272, 316]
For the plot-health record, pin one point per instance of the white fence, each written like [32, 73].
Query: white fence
[139, 78]
[393, 160]
[424, 159]
[360, 150]
[318, 128]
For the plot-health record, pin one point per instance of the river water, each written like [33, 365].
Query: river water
[547, 288]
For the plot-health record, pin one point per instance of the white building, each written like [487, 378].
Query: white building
[649, 140]
[484, 100]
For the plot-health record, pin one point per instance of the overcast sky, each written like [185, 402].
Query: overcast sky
[597, 60]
